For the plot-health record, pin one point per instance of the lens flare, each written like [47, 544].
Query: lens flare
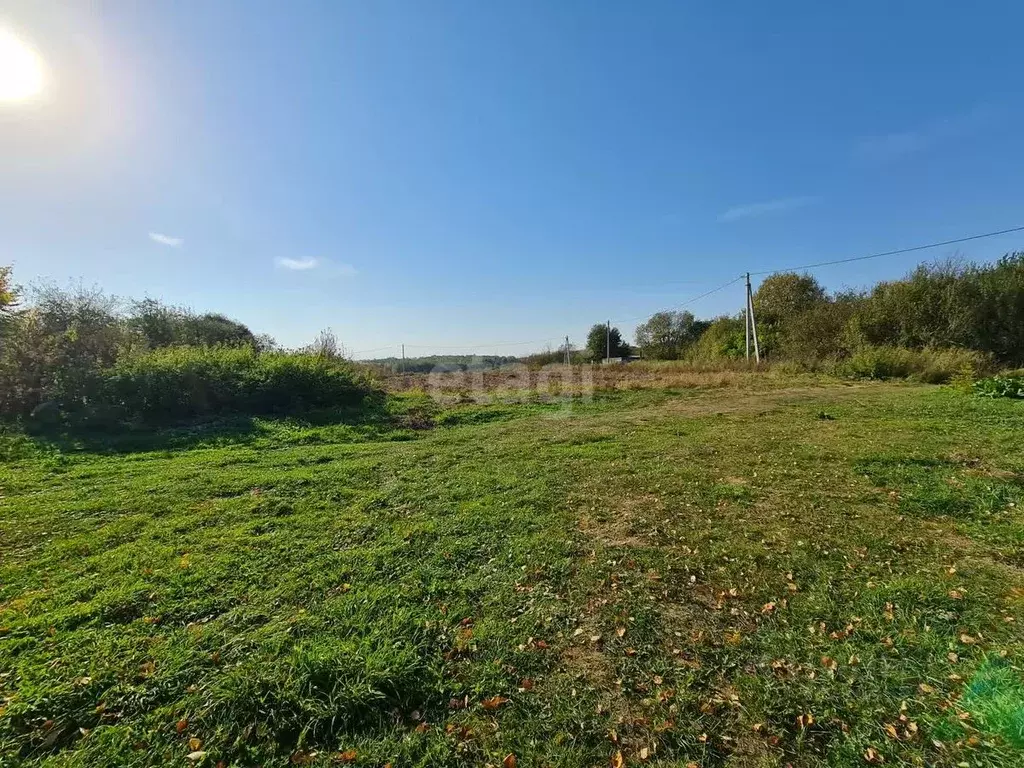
[21, 69]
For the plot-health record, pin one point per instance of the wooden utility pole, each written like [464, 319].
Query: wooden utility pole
[608, 340]
[751, 324]
[567, 360]
[403, 358]
[746, 315]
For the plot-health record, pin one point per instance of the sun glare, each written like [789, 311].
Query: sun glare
[21, 69]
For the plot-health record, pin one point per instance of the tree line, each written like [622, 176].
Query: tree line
[955, 305]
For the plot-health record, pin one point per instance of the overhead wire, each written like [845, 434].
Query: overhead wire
[892, 253]
[723, 286]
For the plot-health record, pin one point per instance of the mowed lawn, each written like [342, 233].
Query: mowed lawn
[809, 574]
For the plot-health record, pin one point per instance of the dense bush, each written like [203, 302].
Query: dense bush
[162, 326]
[933, 366]
[56, 352]
[187, 382]
[1000, 386]
[722, 339]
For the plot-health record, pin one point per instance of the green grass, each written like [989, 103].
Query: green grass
[724, 577]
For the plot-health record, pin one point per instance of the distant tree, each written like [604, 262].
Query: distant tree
[783, 296]
[266, 343]
[9, 297]
[214, 329]
[158, 324]
[599, 339]
[667, 335]
[326, 345]
[164, 326]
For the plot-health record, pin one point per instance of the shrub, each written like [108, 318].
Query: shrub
[933, 366]
[189, 382]
[1000, 386]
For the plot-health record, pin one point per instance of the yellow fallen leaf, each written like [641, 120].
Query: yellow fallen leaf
[494, 702]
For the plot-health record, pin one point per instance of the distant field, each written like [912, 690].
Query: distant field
[753, 573]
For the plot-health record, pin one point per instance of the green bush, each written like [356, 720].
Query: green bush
[933, 366]
[188, 382]
[1000, 386]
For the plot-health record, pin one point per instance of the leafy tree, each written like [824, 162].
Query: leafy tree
[8, 292]
[213, 329]
[164, 326]
[783, 296]
[600, 338]
[326, 345]
[724, 337]
[667, 335]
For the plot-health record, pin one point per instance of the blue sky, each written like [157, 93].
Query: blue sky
[461, 175]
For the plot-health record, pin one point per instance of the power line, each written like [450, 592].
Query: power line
[689, 301]
[893, 253]
[477, 346]
[723, 286]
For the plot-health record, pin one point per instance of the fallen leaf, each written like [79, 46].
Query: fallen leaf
[617, 760]
[194, 743]
[871, 755]
[658, 680]
[348, 756]
[644, 752]
[620, 631]
[768, 608]
[925, 688]
[509, 761]
[181, 726]
[196, 756]
[967, 639]
[494, 702]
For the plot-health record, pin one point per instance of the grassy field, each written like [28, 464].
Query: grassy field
[750, 575]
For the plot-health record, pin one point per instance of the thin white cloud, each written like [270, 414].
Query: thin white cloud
[329, 268]
[760, 209]
[891, 146]
[299, 265]
[173, 242]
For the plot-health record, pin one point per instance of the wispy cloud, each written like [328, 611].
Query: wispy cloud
[760, 209]
[891, 146]
[173, 242]
[328, 268]
[298, 265]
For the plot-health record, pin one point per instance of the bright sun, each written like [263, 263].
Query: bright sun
[21, 69]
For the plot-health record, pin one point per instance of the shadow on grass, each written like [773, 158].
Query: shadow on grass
[373, 421]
